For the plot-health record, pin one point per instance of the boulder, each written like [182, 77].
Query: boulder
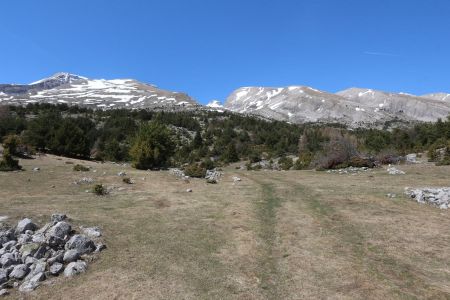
[56, 258]
[3, 276]
[56, 268]
[24, 238]
[82, 243]
[19, 271]
[32, 283]
[75, 268]
[9, 245]
[24, 225]
[57, 234]
[28, 249]
[6, 236]
[71, 255]
[8, 259]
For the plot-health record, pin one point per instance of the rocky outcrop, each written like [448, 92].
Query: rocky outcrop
[439, 197]
[29, 254]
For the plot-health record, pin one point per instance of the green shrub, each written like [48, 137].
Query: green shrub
[304, 161]
[100, 190]
[8, 163]
[152, 147]
[195, 170]
[208, 164]
[80, 168]
[286, 163]
[127, 180]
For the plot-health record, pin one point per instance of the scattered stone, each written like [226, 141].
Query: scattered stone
[236, 179]
[391, 195]
[122, 174]
[8, 259]
[411, 158]
[4, 292]
[100, 247]
[189, 190]
[3, 218]
[57, 234]
[56, 268]
[56, 258]
[211, 181]
[439, 197]
[36, 169]
[84, 180]
[349, 170]
[92, 232]
[177, 172]
[75, 268]
[394, 171]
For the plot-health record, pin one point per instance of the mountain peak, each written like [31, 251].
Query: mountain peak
[59, 78]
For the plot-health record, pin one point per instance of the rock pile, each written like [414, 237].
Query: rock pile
[29, 254]
[394, 171]
[213, 175]
[349, 170]
[177, 172]
[439, 197]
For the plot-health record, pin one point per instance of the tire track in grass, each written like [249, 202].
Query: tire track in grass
[266, 213]
[402, 278]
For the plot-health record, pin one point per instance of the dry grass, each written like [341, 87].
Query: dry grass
[275, 235]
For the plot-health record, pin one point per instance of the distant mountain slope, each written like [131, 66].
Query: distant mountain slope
[354, 107]
[98, 93]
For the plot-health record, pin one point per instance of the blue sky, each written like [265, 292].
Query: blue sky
[209, 48]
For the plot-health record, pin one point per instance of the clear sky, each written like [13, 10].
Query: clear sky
[208, 48]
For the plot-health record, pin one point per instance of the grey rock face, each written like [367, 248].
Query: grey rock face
[75, 268]
[82, 243]
[24, 225]
[95, 93]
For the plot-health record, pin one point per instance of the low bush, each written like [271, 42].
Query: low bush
[100, 190]
[286, 163]
[8, 163]
[80, 168]
[195, 170]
